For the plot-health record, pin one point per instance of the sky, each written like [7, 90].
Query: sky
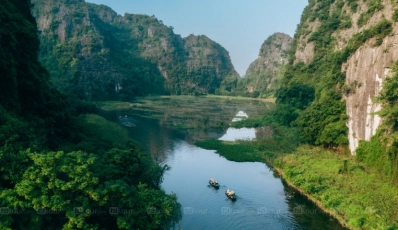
[240, 26]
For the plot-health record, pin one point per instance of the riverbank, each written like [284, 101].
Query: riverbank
[319, 204]
[359, 197]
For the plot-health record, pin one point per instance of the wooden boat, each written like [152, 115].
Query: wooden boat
[214, 184]
[231, 196]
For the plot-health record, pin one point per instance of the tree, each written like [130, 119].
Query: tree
[83, 188]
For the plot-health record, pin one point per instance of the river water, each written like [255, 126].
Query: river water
[264, 201]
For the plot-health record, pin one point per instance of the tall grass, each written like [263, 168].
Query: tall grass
[106, 131]
[344, 186]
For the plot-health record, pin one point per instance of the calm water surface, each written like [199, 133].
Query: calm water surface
[264, 201]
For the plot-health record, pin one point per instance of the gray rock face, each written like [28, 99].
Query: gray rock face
[366, 72]
[366, 69]
[273, 52]
[203, 52]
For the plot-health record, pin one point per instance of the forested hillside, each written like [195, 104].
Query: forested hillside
[340, 73]
[265, 73]
[61, 167]
[96, 54]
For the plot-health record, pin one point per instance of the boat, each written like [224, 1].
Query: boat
[231, 195]
[214, 184]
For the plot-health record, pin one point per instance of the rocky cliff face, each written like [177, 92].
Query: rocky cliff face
[205, 59]
[95, 53]
[273, 51]
[365, 69]
[262, 73]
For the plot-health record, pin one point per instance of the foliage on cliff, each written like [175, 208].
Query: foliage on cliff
[265, 73]
[205, 60]
[95, 53]
[321, 120]
[382, 150]
[59, 169]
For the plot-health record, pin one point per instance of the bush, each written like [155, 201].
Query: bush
[395, 15]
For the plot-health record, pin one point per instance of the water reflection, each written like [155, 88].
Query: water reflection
[152, 137]
[240, 116]
[264, 201]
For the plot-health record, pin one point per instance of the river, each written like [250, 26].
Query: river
[264, 201]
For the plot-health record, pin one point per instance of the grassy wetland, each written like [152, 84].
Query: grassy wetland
[191, 112]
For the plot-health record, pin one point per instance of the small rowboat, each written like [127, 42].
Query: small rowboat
[231, 196]
[214, 184]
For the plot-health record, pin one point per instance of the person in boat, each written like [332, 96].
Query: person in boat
[212, 180]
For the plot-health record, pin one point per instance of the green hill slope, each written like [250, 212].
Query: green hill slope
[95, 53]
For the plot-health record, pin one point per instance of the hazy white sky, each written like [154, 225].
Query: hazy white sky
[240, 26]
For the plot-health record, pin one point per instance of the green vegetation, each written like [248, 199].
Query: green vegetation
[358, 190]
[266, 82]
[268, 99]
[321, 116]
[264, 75]
[122, 57]
[81, 185]
[395, 15]
[56, 155]
[238, 152]
[373, 7]
[353, 192]
[348, 188]
[353, 5]
[277, 141]
[381, 151]
[113, 105]
[191, 112]
[105, 56]
[63, 167]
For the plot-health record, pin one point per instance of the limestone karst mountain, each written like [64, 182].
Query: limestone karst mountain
[97, 54]
[264, 74]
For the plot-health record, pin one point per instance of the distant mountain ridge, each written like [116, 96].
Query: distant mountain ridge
[93, 52]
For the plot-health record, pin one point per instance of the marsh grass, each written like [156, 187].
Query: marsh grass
[191, 112]
[113, 105]
[233, 151]
[271, 99]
